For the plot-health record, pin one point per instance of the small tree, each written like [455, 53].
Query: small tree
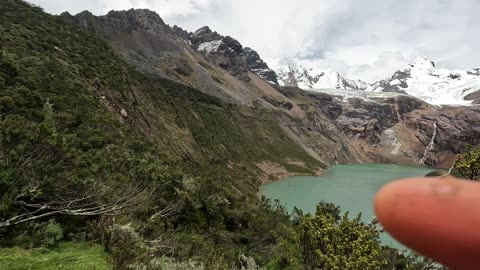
[468, 164]
[327, 240]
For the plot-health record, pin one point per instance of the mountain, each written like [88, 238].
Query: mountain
[437, 86]
[228, 53]
[311, 75]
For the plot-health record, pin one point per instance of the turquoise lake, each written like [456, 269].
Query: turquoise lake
[352, 187]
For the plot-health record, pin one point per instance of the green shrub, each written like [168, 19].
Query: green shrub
[42, 234]
[468, 164]
[125, 246]
[166, 263]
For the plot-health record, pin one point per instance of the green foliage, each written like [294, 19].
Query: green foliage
[329, 240]
[396, 259]
[125, 246]
[42, 234]
[67, 255]
[166, 263]
[468, 164]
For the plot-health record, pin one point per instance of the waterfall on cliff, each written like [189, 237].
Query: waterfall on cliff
[431, 146]
[399, 116]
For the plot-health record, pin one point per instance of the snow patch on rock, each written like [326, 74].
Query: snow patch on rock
[210, 47]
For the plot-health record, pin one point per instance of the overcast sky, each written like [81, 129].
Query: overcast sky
[360, 39]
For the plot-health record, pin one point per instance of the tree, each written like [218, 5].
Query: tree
[327, 240]
[468, 164]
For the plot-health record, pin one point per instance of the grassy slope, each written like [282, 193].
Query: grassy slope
[67, 255]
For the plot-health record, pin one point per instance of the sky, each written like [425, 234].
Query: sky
[366, 40]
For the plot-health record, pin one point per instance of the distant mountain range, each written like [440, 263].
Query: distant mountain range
[309, 75]
[436, 86]
[420, 79]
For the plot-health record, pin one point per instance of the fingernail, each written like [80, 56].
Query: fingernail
[445, 188]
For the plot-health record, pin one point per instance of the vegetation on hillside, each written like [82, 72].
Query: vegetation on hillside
[159, 174]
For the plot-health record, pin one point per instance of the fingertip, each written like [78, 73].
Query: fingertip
[434, 217]
[389, 196]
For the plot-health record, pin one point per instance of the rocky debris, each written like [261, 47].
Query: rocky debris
[259, 67]
[182, 67]
[281, 104]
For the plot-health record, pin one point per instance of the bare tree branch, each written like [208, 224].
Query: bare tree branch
[86, 206]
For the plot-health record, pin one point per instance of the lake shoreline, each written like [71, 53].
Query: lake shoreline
[274, 172]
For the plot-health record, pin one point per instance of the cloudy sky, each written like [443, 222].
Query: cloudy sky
[360, 39]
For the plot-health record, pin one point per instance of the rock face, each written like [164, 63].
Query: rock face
[423, 80]
[139, 35]
[229, 54]
[226, 52]
[185, 35]
[259, 67]
[310, 75]
[120, 21]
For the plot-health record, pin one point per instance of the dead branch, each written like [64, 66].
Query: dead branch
[86, 206]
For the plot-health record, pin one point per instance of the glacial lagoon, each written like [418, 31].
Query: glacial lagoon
[352, 187]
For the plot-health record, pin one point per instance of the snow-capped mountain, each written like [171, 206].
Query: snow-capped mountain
[436, 86]
[311, 75]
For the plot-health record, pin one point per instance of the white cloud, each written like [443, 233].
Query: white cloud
[362, 39]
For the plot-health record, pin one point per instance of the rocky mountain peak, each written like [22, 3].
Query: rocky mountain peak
[229, 54]
[204, 34]
[182, 33]
[422, 63]
[119, 21]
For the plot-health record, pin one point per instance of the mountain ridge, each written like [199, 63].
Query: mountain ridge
[311, 75]
[424, 80]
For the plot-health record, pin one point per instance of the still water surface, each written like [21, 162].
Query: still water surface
[353, 187]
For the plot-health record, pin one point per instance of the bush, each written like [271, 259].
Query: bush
[125, 246]
[328, 240]
[166, 263]
[468, 164]
[45, 234]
